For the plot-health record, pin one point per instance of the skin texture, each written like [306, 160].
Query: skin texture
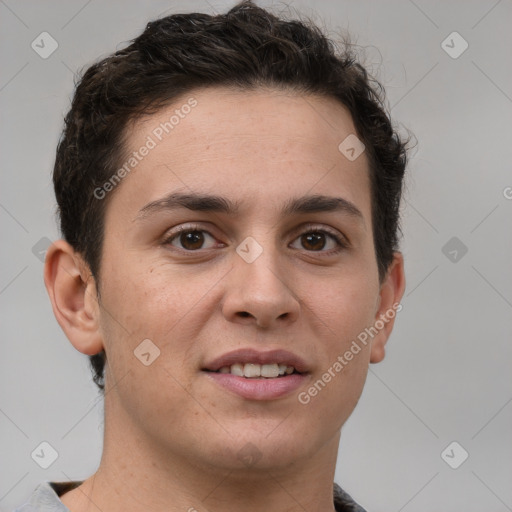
[173, 437]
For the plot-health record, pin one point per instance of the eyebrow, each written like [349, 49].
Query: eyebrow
[219, 204]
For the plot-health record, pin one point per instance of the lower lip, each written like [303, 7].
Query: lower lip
[261, 388]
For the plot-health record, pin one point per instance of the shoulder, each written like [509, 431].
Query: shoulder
[343, 502]
[45, 497]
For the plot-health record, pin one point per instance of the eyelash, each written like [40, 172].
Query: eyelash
[341, 243]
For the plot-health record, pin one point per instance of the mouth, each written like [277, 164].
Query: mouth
[258, 371]
[251, 363]
[256, 375]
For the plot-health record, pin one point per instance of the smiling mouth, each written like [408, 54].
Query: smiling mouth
[257, 371]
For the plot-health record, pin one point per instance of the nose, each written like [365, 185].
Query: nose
[260, 293]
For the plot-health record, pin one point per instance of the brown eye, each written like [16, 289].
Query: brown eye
[313, 241]
[190, 239]
[320, 240]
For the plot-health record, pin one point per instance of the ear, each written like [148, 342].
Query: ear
[73, 294]
[391, 292]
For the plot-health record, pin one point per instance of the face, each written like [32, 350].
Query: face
[278, 268]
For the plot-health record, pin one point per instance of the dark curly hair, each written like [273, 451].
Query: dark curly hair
[246, 48]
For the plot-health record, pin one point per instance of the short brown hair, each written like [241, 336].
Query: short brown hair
[247, 47]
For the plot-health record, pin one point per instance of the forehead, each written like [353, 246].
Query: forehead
[258, 147]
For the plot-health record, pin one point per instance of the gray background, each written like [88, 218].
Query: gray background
[447, 373]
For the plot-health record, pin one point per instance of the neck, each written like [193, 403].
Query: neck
[135, 473]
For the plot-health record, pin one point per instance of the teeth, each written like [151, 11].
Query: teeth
[252, 370]
[269, 370]
[237, 369]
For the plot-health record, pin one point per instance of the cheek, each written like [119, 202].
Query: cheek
[345, 304]
[333, 392]
[147, 344]
[154, 301]
[345, 309]
[331, 397]
[141, 292]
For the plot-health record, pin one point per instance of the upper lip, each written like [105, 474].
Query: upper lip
[249, 355]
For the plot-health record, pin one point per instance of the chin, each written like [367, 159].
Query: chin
[262, 450]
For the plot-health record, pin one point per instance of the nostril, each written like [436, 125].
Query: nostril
[245, 314]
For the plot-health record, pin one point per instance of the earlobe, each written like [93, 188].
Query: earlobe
[391, 292]
[73, 295]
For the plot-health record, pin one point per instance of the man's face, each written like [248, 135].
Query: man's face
[264, 279]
